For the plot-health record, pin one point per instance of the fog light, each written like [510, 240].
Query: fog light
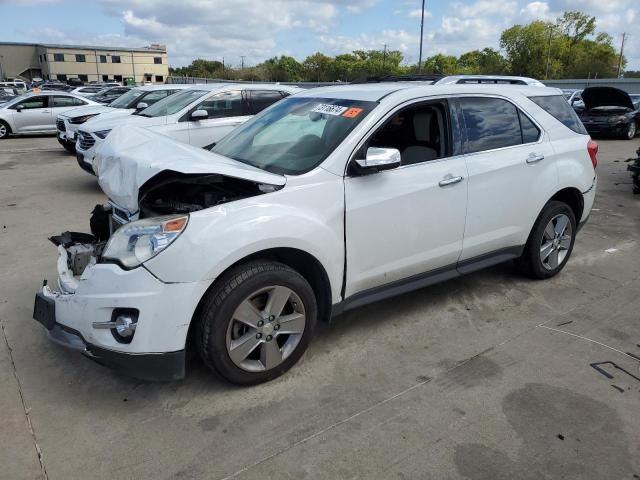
[125, 321]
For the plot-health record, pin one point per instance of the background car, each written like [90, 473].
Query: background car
[199, 116]
[136, 98]
[88, 90]
[36, 112]
[609, 111]
[61, 87]
[109, 94]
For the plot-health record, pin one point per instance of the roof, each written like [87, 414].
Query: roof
[163, 86]
[87, 47]
[375, 92]
[242, 86]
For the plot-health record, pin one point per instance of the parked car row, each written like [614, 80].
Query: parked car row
[323, 202]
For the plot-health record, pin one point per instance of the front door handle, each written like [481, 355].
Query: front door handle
[535, 157]
[449, 180]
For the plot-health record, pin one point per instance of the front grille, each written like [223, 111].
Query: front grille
[85, 140]
[60, 125]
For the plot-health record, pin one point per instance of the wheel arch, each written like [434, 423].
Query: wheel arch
[572, 197]
[8, 124]
[302, 262]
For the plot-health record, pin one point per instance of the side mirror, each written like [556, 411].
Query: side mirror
[379, 159]
[199, 115]
[19, 108]
[141, 106]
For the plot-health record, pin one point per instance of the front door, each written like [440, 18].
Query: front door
[33, 115]
[226, 110]
[408, 221]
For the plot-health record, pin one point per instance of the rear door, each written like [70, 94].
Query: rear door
[511, 168]
[34, 115]
[60, 104]
[226, 111]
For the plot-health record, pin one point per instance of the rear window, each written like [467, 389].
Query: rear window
[557, 106]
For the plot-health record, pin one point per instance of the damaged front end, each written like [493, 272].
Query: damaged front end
[634, 168]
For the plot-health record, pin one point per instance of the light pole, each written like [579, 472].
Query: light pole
[546, 75]
[421, 33]
[1, 71]
[624, 35]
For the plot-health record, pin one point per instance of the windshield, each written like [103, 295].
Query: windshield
[294, 135]
[125, 100]
[173, 104]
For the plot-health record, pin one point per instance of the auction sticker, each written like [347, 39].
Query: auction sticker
[329, 109]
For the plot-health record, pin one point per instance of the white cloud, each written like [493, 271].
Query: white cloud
[417, 13]
[537, 11]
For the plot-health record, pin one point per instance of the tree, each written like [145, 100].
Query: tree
[482, 62]
[441, 64]
[283, 69]
[318, 67]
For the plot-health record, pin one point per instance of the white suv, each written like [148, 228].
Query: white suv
[132, 99]
[199, 116]
[331, 199]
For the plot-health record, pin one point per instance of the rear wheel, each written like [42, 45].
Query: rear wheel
[256, 322]
[5, 130]
[550, 242]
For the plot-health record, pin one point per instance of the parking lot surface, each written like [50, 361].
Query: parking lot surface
[487, 377]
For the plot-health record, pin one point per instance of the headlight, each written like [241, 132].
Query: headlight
[82, 119]
[136, 242]
[620, 118]
[102, 134]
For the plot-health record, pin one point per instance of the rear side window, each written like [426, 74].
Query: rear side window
[490, 123]
[261, 99]
[530, 133]
[225, 104]
[558, 107]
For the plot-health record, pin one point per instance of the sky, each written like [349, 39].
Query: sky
[260, 29]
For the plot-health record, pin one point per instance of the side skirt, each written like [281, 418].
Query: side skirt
[426, 279]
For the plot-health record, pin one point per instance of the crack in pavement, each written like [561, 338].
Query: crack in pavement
[24, 406]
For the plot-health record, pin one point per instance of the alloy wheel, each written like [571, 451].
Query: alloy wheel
[265, 328]
[3, 130]
[631, 131]
[556, 241]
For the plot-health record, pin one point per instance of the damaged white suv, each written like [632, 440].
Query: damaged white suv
[330, 199]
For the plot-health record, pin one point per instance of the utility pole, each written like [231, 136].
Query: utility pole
[242, 67]
[222, 67]
[421, 33]
[546, 76]
[384, 57]
[624, 34]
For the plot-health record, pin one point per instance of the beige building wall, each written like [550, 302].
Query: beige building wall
[19, 61]
[61, 62]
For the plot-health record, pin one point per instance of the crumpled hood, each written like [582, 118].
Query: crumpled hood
[594, 97]
[117, 118]
[130, 156]
[88, 110]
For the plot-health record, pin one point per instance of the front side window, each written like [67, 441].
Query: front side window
[490, 123]
[419, 133]
[294, 136]
[172, 104]
[32, 103]
[58, 57]
[261, 99]
[81, 58]
[225, 104]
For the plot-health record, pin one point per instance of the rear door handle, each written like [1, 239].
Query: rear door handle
[535, 157]
[449, 180]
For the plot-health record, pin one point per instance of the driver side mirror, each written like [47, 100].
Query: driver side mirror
[141, 106]
[378, 159]
[199, 115]
[19, 108]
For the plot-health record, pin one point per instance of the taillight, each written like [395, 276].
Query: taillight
[592, 148]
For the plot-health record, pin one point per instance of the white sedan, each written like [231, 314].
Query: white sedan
[37, 112]
[200, 115]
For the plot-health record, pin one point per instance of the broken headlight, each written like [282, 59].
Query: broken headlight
[136, 242]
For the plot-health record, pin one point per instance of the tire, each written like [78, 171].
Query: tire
[544, 257]
[630, 133]
[247, 292]
[5, 130]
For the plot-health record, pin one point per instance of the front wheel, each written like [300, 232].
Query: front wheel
[256, 322]
[550, 242]
[4, 130]
[631, 131]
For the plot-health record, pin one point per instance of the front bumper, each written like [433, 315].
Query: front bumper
[154, 367]
[156, 350]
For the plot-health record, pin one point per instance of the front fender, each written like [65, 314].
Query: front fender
[306, 216]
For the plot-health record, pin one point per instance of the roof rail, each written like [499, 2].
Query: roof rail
[411, 77]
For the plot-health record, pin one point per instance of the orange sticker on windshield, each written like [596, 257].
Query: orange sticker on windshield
[352, 112]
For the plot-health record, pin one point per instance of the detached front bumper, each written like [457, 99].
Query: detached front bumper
[75, 317]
